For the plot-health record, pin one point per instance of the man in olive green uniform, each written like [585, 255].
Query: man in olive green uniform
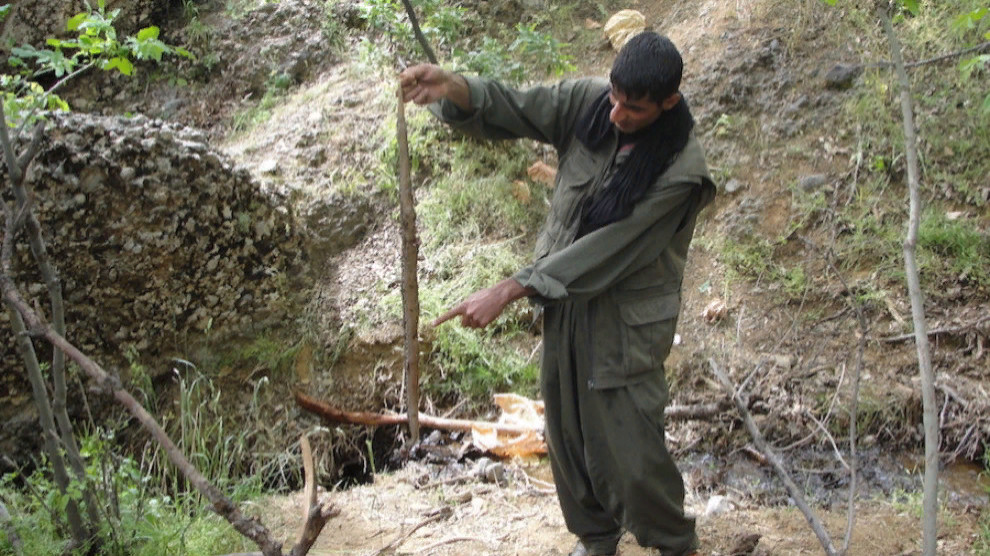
[607, 271]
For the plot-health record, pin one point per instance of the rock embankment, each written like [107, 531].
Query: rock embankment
[157, 238]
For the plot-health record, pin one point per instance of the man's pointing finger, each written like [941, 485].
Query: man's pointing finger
[448, 315]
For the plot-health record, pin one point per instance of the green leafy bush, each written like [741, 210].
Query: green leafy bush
[137, 518]
[96, 45]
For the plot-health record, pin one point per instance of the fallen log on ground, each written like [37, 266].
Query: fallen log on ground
[327, 411]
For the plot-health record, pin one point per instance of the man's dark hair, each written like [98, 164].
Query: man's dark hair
[648, 65]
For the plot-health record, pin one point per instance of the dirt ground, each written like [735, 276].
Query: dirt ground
[411, 512]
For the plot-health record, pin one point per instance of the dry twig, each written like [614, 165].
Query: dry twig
[937, 331]
[443, 513]
[430, 548]
[774, 459]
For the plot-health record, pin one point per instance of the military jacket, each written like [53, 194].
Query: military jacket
[629, 272]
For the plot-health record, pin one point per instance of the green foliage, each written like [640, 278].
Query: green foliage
[466, 363]
[137, 518]
[443, 23]
[96, 45]
[954, 146]
[956, 244]
[470, 363]
[333, 29]
[748, 258]
[541, 51]
[474, 200]
[492, 60]
[276, 88]
[975, 23]
[982, 545]
[526, 53]
[531, 54]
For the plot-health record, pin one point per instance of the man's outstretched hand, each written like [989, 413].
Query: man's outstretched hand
[479, 309]
[426, 83]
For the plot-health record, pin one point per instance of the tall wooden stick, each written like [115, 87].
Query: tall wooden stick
[410, 284]
[930, 419]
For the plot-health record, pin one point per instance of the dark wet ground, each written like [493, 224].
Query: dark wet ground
[825, 479]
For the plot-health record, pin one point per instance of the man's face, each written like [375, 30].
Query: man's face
[631, 115]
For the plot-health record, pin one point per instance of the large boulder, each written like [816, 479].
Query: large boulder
[158, 239]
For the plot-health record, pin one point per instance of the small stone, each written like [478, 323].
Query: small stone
[841, 76]
[717, 504]
[782, 361]
[812, 182]
[269, 166]
[733, 185]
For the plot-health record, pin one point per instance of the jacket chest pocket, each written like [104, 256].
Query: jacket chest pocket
[574, 180]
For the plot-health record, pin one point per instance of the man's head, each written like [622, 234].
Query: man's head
[645, 78]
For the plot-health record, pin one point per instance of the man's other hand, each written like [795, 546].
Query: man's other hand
[479, 309]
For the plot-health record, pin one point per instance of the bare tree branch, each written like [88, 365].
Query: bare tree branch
[66, 437]
[444, 513]
[930, 501]
[774, 459]
[54, 439]
[864, 331]
[937, 331]
[317, 514]
[28, 323]
[940, 58]
[418, 32]
[249, 527]
[327, 411]
[27, 119]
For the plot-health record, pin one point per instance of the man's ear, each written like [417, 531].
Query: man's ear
[670, 101]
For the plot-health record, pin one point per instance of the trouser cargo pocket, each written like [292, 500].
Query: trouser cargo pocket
[631, 336]
[648, 331]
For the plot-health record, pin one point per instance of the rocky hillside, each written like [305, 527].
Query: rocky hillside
[159, 239]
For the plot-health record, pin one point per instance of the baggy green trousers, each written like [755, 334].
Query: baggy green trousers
[607, 450]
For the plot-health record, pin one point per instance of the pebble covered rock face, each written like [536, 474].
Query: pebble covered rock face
[156, 236]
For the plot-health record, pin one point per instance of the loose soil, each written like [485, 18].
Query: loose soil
[412, 511]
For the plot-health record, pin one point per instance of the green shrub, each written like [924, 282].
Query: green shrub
[137, 517]
[956, 245]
